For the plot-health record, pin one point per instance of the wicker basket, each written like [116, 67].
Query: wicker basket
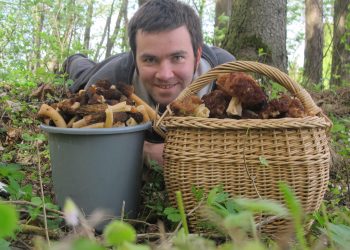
[207, 152]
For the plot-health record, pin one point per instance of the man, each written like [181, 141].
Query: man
[167, 53]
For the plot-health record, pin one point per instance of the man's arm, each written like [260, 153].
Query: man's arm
[153, 151]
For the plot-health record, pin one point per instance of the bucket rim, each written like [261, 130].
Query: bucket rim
[96, 131]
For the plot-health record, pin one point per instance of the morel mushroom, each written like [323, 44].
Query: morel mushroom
[283, 106]
[217, 102]
[245, 92]
[128, 91]
[190, 106]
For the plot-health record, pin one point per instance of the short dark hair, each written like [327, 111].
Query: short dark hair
[164, 15]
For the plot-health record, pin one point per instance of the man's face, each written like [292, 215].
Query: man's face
[166, 62]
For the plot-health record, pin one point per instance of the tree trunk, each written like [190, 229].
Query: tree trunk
[39, 23]
[107, 25]
[88, 25]
[341, 40]
[125, 41]
[223, 9]
[111, 40]
[142, 2]
[258, 31]
[313, 53]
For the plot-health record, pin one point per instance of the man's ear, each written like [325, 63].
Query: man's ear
[198, 58]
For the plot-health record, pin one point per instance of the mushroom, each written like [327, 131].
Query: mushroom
[245, 93]
[128, 91]
[48, 111]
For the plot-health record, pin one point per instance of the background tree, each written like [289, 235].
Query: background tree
[141, 2]
[258, 31]
[37, 30]
[223, 9]
[106, 28]
[90, 11]
[340, 73]
[313, 55]
[125, 41]
[111, 40]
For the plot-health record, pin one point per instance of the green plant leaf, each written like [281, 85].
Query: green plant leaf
[263, 161]
[295, 210]
[131, 246]
[262, 206]
[340, 234]
[118, 232]
[37, 201]
[253, 245]
[8, 220]
[198, 193]
[4, 245]
[172, 214]
[86, 244]
[242, 220]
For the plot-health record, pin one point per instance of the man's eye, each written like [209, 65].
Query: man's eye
[178, 58]
[149, 60]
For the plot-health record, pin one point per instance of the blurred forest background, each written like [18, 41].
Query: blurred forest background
[308, 39]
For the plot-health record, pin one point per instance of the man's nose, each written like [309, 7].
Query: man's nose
[165, 71]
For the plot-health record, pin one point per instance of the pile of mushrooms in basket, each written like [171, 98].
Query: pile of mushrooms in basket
[238, 96]
[102, 105]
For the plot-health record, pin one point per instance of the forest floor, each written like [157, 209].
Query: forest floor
[18, 124]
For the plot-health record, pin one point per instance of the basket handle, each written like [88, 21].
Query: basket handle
[248, 66]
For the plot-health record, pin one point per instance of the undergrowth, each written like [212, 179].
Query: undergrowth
[30, 218]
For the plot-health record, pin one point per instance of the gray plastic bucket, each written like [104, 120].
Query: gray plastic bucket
[98, 168]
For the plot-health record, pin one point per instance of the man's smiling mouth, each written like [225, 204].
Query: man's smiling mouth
[167, 86]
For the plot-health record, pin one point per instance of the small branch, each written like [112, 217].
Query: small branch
[268, 220]
[30, 229]
[52, 217]
[246, 168]
[42, 197]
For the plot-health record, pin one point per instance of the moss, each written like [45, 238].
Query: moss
[253, 43]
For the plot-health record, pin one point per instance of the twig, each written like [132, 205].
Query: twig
[24, 211]
[245, 165]
[123, 211]
[30, 229]
[42, 197]
[24, 244]
[268, 220]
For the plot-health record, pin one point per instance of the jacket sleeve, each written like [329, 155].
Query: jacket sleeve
[119, 69]
[84, 72]
[222, 55]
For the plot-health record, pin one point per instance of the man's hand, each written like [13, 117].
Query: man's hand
[153, 151]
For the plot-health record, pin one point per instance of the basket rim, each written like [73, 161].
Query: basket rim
[215, 123]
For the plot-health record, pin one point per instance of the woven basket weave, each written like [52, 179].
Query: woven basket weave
[207, 152]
